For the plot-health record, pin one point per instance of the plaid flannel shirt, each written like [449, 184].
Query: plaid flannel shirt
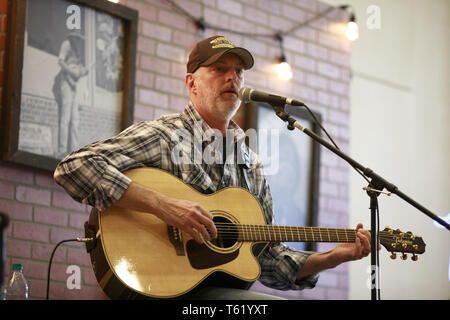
[92, 175]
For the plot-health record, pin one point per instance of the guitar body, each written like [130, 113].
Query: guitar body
[138, 256]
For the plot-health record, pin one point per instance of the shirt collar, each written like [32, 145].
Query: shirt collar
[193, 119]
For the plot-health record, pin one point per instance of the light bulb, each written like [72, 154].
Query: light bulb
[284, 71]
[115, 1]
[352, 32]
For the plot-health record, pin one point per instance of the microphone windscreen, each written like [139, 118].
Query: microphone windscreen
[245, 94]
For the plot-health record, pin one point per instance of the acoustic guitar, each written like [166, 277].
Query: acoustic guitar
[137, 255]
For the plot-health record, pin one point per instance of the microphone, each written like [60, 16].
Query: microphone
[248, 94]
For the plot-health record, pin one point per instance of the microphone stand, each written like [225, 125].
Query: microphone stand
[4, 221]
[375, 187]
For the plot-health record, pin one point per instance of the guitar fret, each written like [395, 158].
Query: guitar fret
[293, 234]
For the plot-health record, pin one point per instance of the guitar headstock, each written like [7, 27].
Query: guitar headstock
[404, 242]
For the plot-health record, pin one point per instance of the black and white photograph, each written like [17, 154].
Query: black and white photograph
[81, 99]
[73, 73]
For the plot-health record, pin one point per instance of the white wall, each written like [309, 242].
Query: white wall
[400, 114]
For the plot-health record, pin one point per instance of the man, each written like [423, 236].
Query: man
[65, 90]
[215, 73]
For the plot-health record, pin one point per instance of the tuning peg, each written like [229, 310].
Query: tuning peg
[393, 256]
[414, 257]
[404, 256]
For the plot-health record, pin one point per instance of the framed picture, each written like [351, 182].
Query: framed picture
[292, 161]
[70, 71]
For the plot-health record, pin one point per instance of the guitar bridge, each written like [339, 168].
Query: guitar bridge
[176, 238]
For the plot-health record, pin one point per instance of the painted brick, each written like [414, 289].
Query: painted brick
[216, 18]
[146, 45]
[157, 65]
[172, 19]
[305, 63]
[316, 81]
[328, 70]
[230, 7]
[77, 220]
[178, 70]
[16, 211]
[170, 85]
[43, 252]
[63, 200]
[89, 277]
[146, 12]
[155, 31]
[178, 103]
[142, 113]
[256, 15]
[38, 289]
[59, 234]
[30, 231]
[33, 195]
[145, 79]
[18, 249]
[78, 257]
[16, 174]
[88, 293]
[153, 98]
[6, 191]
[171, 52]
[50, 216]
[46, 180]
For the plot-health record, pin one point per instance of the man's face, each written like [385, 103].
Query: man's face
[216, 86]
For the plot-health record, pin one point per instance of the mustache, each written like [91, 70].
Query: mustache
[232, 88]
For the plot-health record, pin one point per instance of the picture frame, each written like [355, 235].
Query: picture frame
[292, 168]
[70, 77]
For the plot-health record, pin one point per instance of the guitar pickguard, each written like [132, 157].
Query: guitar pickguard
[202, 257]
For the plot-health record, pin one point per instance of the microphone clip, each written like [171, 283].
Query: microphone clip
[283, 115]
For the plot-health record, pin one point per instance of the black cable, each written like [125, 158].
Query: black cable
[331, 139]
[53, 253]
[202, 24]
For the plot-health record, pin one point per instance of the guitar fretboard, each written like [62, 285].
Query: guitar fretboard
[285, 233]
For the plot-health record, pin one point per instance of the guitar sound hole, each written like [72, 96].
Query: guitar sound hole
[227, 233]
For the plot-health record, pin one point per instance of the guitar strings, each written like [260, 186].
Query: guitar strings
[232, 231]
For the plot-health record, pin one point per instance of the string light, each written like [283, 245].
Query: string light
[352, 32]
[283, 69]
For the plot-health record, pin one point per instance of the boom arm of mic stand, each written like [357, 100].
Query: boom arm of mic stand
[378, 181]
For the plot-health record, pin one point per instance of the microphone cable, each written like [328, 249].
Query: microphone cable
[53, 253]
[332, 141]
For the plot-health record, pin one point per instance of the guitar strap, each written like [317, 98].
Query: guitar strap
[244, 182]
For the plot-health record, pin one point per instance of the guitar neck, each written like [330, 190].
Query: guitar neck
[271, 233]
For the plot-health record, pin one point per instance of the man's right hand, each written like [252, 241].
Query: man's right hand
[188, 216]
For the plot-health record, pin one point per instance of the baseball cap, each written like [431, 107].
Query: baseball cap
[211, 49]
